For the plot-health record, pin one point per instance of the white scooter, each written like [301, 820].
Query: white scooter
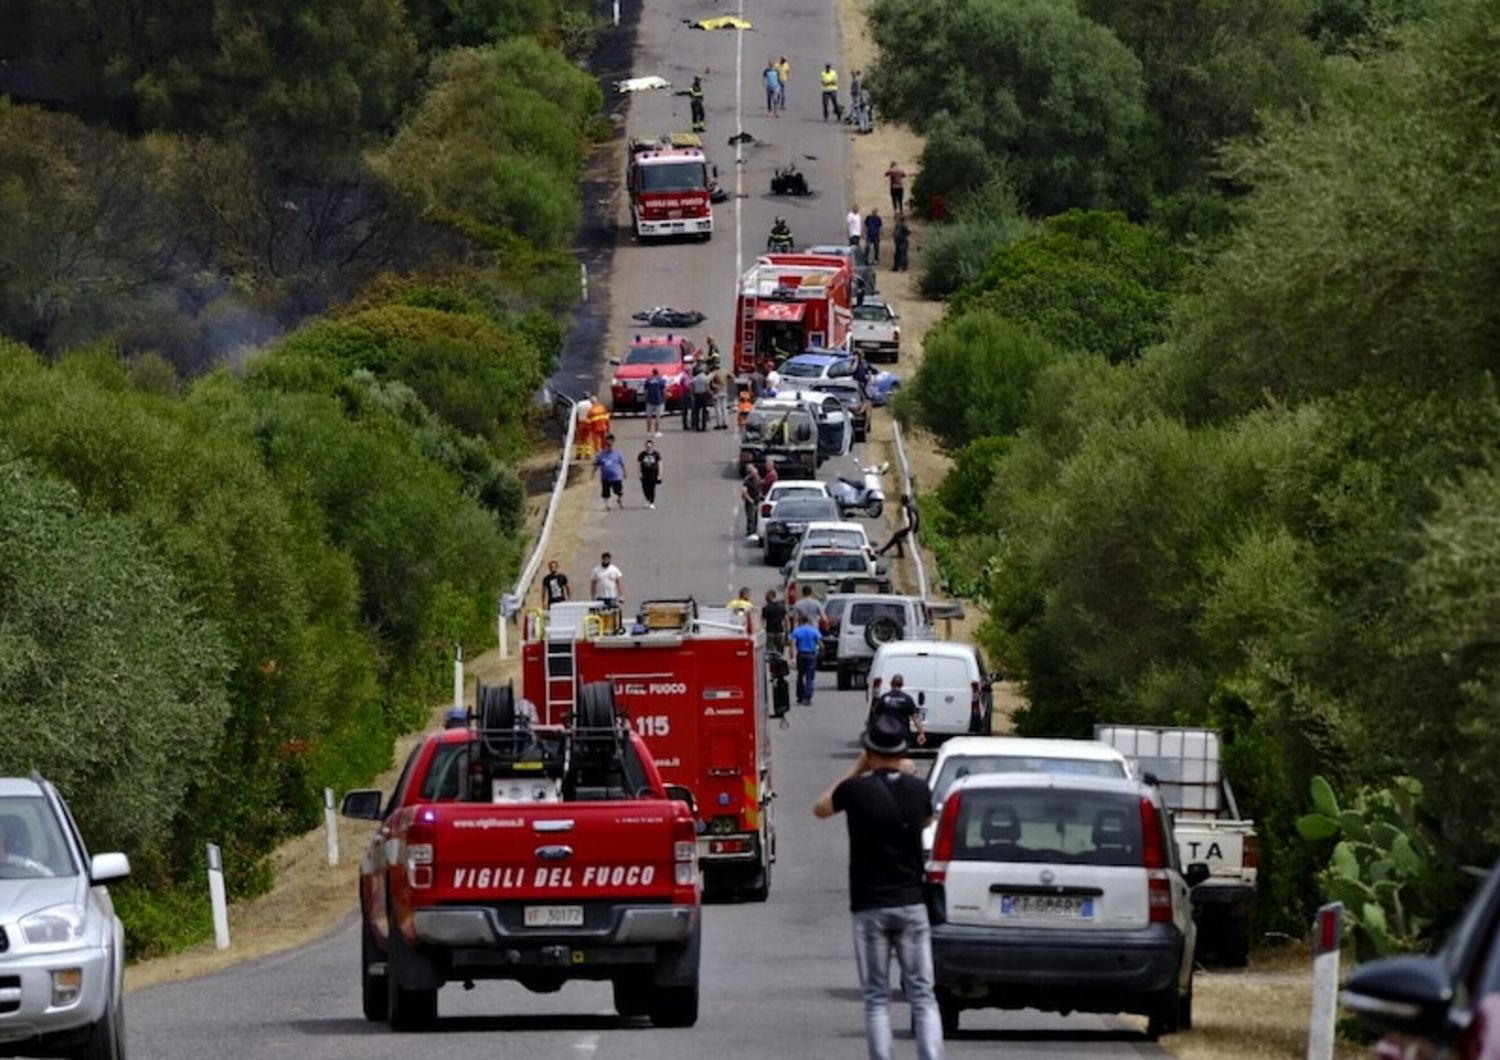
[868, 496]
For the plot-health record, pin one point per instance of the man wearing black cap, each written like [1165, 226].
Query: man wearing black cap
[886, 807]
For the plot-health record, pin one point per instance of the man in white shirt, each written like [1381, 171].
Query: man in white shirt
[854, 226]
[608, 582]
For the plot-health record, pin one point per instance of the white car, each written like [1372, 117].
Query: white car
[781, 488]
[974, 756]
[62, 948]
[1061, 893]
[837, 535]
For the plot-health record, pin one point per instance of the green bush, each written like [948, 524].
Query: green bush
[976, 378]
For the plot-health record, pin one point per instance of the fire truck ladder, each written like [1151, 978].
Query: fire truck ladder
[561, 658]
[747, 326]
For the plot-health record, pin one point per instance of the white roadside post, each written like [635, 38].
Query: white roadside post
[1328, 929]
[583, 281]
[458, 677]
[617, 12]
[330, 827]
[510, 605]
[216, 897]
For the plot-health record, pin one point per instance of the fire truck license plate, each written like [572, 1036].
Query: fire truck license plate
[554, 916]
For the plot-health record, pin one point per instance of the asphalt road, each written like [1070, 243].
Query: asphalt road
[778, 978]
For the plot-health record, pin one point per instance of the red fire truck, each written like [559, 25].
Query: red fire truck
[692, 683]
[670, 183]
[788, 303]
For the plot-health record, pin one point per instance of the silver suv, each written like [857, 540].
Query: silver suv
[1061, 893]
[62, 948]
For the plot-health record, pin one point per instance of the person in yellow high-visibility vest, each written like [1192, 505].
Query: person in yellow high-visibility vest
[829, 79]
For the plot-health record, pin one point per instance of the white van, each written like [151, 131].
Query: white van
[947, 680]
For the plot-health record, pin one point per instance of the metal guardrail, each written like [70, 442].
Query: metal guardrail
[512, 602]
[906, 488]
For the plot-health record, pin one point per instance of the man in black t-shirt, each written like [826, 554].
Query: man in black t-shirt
[886, 808]
[899, 705]
[773, 621]
[555, 586]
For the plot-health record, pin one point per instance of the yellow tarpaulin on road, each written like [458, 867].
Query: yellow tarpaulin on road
[722, 22]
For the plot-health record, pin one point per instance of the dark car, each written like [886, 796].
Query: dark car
[1447, 1004]
[789, 522]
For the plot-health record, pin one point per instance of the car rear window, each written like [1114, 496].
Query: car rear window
[1054, 826]
[808, 508]
[862, 614]
[798, 369]
[831, 563]
[835, 539]
[960, 766]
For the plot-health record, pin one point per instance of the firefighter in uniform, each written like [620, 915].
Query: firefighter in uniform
[695, 102]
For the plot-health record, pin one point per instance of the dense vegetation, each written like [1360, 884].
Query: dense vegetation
[279, 283]
[1234, 465]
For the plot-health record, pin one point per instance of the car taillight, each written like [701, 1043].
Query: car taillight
[942, 843]
[1250, 855]
[765, 509]
[684, 852]
[875, 687]
[1159, 898]
[1152, 847]
[419, 850]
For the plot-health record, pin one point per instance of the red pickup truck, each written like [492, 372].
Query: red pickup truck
[535, 853]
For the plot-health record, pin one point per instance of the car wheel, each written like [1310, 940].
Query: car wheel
[675, 1006]
[845, 680]
[760, 888]
[406, 1009]
[374, 996]
[874, 509]
[882, 630]
[105, 1039]
[1185, 1010]
[948, 1011]
[1165, 1013]
[1233, 947]
[632, 997]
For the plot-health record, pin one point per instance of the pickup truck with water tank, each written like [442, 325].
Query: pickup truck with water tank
[1207, 827]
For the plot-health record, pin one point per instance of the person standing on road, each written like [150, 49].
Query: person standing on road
[772, 79]
[913, 523]
[685, 398]
[886, 806]
[873, 225]
[609, 465]
[897, 176]
[829, 80]
[854, 226]
[898, 704]
[720, 400]
[750, 495]
[742, 601]
[809, 607]
[901, 240]
[695, 104]
[555, 587]
[700, 399]
[773, 620]
[650, 461]
[656, 401]
[784, 72]
[807, 640]
[608, 583]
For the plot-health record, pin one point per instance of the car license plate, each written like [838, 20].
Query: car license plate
[554, 916]
[1046, 906]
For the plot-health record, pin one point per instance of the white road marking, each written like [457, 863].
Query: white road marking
[739, 153]
[587, 1045]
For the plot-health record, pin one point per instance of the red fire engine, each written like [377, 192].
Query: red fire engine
[692, 683]
[670, 184]
[788, 303]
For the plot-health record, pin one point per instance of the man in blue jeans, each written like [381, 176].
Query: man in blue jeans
[886, 807]
[807, 641]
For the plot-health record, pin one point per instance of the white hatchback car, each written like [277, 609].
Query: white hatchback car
[1061, 893]
[972, 756]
